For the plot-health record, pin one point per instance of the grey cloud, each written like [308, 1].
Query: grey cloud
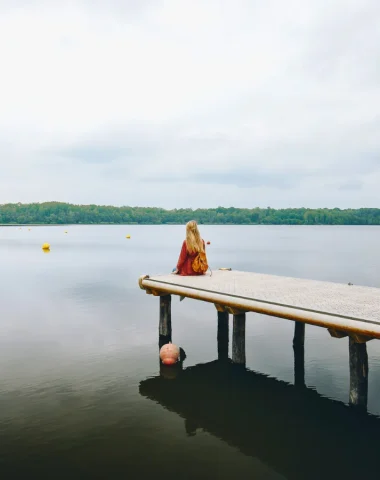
[146, 149]
[94, 154]
[351, 185]
[244, 178]
[109, 146]
[249, 179]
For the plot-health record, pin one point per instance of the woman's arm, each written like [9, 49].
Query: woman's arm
[182, 256]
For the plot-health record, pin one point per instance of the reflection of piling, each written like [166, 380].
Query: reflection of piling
[170, 372]
[223, 335]
[190, 427]
[299, 365]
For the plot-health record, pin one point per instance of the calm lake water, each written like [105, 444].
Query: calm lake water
[81, 395]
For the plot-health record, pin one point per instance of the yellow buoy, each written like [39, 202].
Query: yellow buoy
[29, 229]
[46, 246]
[65, 231]
[128, 236]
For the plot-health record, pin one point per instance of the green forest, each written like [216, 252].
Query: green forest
[51, 213]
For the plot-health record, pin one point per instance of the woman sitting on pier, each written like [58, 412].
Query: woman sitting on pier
[192, 259]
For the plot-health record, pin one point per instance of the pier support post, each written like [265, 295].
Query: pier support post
[358, 374]
[299, 334]
[223, 335]
[165, 327]
[299, 354]
[163, 340]
[238, 339]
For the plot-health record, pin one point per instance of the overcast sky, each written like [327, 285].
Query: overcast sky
[191, 103]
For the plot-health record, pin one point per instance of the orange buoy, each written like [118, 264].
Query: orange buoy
[169, 354]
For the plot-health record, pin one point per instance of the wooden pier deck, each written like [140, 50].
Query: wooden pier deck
[344, 309]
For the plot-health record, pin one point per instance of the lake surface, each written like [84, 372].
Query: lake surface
[81, 395]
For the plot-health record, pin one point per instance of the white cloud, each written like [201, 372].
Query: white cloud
[99, 97]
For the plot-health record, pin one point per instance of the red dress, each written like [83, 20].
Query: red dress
[185, 260]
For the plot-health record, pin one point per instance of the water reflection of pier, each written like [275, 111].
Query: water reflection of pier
[297, 432]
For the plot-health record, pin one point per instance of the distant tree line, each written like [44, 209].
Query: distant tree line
[65, 213]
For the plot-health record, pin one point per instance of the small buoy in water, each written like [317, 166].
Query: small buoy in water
[65, 231]
[128, 236]
[169, 354]
[29, 229]
[46, 246]
[208, 243]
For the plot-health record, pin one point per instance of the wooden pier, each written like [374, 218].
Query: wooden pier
[346, 310]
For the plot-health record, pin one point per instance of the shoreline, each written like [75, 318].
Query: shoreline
[181, 224]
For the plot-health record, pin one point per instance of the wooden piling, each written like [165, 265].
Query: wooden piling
[358, 374]
[223, 335]
[299, 334]
[163, 340]
[238, 339]
[165, 326]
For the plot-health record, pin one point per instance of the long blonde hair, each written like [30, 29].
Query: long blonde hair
[194, 241]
